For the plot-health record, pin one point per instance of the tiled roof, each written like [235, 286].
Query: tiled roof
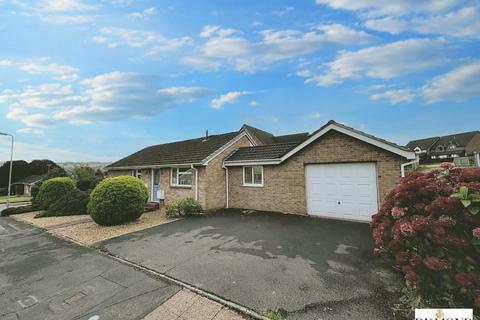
[29, 180]
[180, 152]
[459, 139]
[271, 151]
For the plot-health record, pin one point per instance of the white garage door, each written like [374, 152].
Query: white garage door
[345, 191]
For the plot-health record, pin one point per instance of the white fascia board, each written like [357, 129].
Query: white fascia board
[242, 134]
[251, 163]
[153, 166]
[406, 154]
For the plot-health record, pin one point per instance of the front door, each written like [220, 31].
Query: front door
[155, 184]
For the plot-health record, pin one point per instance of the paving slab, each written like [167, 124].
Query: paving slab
[44, 277]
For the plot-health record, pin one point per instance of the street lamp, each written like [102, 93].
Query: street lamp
[10, 174]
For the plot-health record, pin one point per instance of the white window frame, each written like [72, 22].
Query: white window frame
[252, 184]
[178, 176]
[136, 173]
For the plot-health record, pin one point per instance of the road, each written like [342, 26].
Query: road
[43, 277]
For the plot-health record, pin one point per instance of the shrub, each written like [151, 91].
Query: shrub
[17, 210]
[117, 200]
[72, 203]
[182, 207]
[3, 191]
[88, 183]
[429, 225]
[51, 190]
[35, 188]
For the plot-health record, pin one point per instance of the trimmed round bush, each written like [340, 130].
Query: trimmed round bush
[117, 200]
[429, 225]
[51, 190]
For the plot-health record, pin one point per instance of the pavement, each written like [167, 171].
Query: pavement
[308, 268]
[44, 277]
[13, 204]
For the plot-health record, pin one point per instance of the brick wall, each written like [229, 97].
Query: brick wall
[214, 176]
[284, 184]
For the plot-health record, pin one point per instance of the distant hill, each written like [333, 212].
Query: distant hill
[95, 165]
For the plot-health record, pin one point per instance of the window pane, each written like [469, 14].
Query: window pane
[174, 176]
[257, 175]
[248, 179]
[185, 179]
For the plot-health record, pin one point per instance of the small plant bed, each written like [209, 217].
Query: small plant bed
[82, 229]
[15, 199]
[182, 208]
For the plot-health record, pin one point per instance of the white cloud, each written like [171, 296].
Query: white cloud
[145, 14]
[253, 103]
[5, 62]
[217, 31]
[113, 37]
[228, 98]
[112, 96]
[389, 24]
[248, 56]
[61, 72]
[394, 96]
[283, 12]
[314, 116]
[389, 7]
[459, 84]
[201, 63]
[32, 131]
[384, 62]
[64, 5]
[463, 23]
[57, 11]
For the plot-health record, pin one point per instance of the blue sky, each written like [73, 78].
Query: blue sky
[95, 81]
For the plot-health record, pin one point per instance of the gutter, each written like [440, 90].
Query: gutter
[159, 166]
[196, 181]
[403, 165]
[226, 186]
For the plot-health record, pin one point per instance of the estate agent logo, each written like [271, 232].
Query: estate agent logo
[443, 314]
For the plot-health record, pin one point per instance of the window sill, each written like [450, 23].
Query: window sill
[253, 185]
[180, 186]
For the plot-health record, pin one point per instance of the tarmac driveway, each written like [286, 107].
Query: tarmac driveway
[310, 268]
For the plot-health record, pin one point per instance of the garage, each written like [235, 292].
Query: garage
[342, 190]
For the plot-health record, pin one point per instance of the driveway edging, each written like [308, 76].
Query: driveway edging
[206, 294]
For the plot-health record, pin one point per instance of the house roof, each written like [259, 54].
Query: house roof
[180, 152]
[424, 144]
[266, 152]
[29, 180]
[277, 153]
[460, 139]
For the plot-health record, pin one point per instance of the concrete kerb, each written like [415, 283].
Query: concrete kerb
[155, 274]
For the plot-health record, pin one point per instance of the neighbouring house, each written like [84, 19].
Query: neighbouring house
[447, 148]
[24, 186]
[336, 171]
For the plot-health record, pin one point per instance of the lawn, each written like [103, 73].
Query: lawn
[13, 199]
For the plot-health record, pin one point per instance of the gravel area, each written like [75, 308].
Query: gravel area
[83, 229]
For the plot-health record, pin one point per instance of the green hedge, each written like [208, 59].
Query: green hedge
[182, 207]
[17, 210]
[117, 200]
[51, 190]
[72, 203]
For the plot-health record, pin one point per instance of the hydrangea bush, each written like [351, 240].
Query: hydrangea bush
[429, 224]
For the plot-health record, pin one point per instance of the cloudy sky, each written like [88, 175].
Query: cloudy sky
[83, 80]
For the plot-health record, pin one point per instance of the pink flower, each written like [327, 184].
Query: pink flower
[476, 233]
[406, 229]
[463, 278]
[401, 257]
[397, 213]
[435, 263]
[447, 165]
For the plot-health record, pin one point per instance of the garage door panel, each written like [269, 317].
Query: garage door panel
[346, 191]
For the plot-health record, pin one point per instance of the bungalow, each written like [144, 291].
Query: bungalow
[336, 171]
[24, 186]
